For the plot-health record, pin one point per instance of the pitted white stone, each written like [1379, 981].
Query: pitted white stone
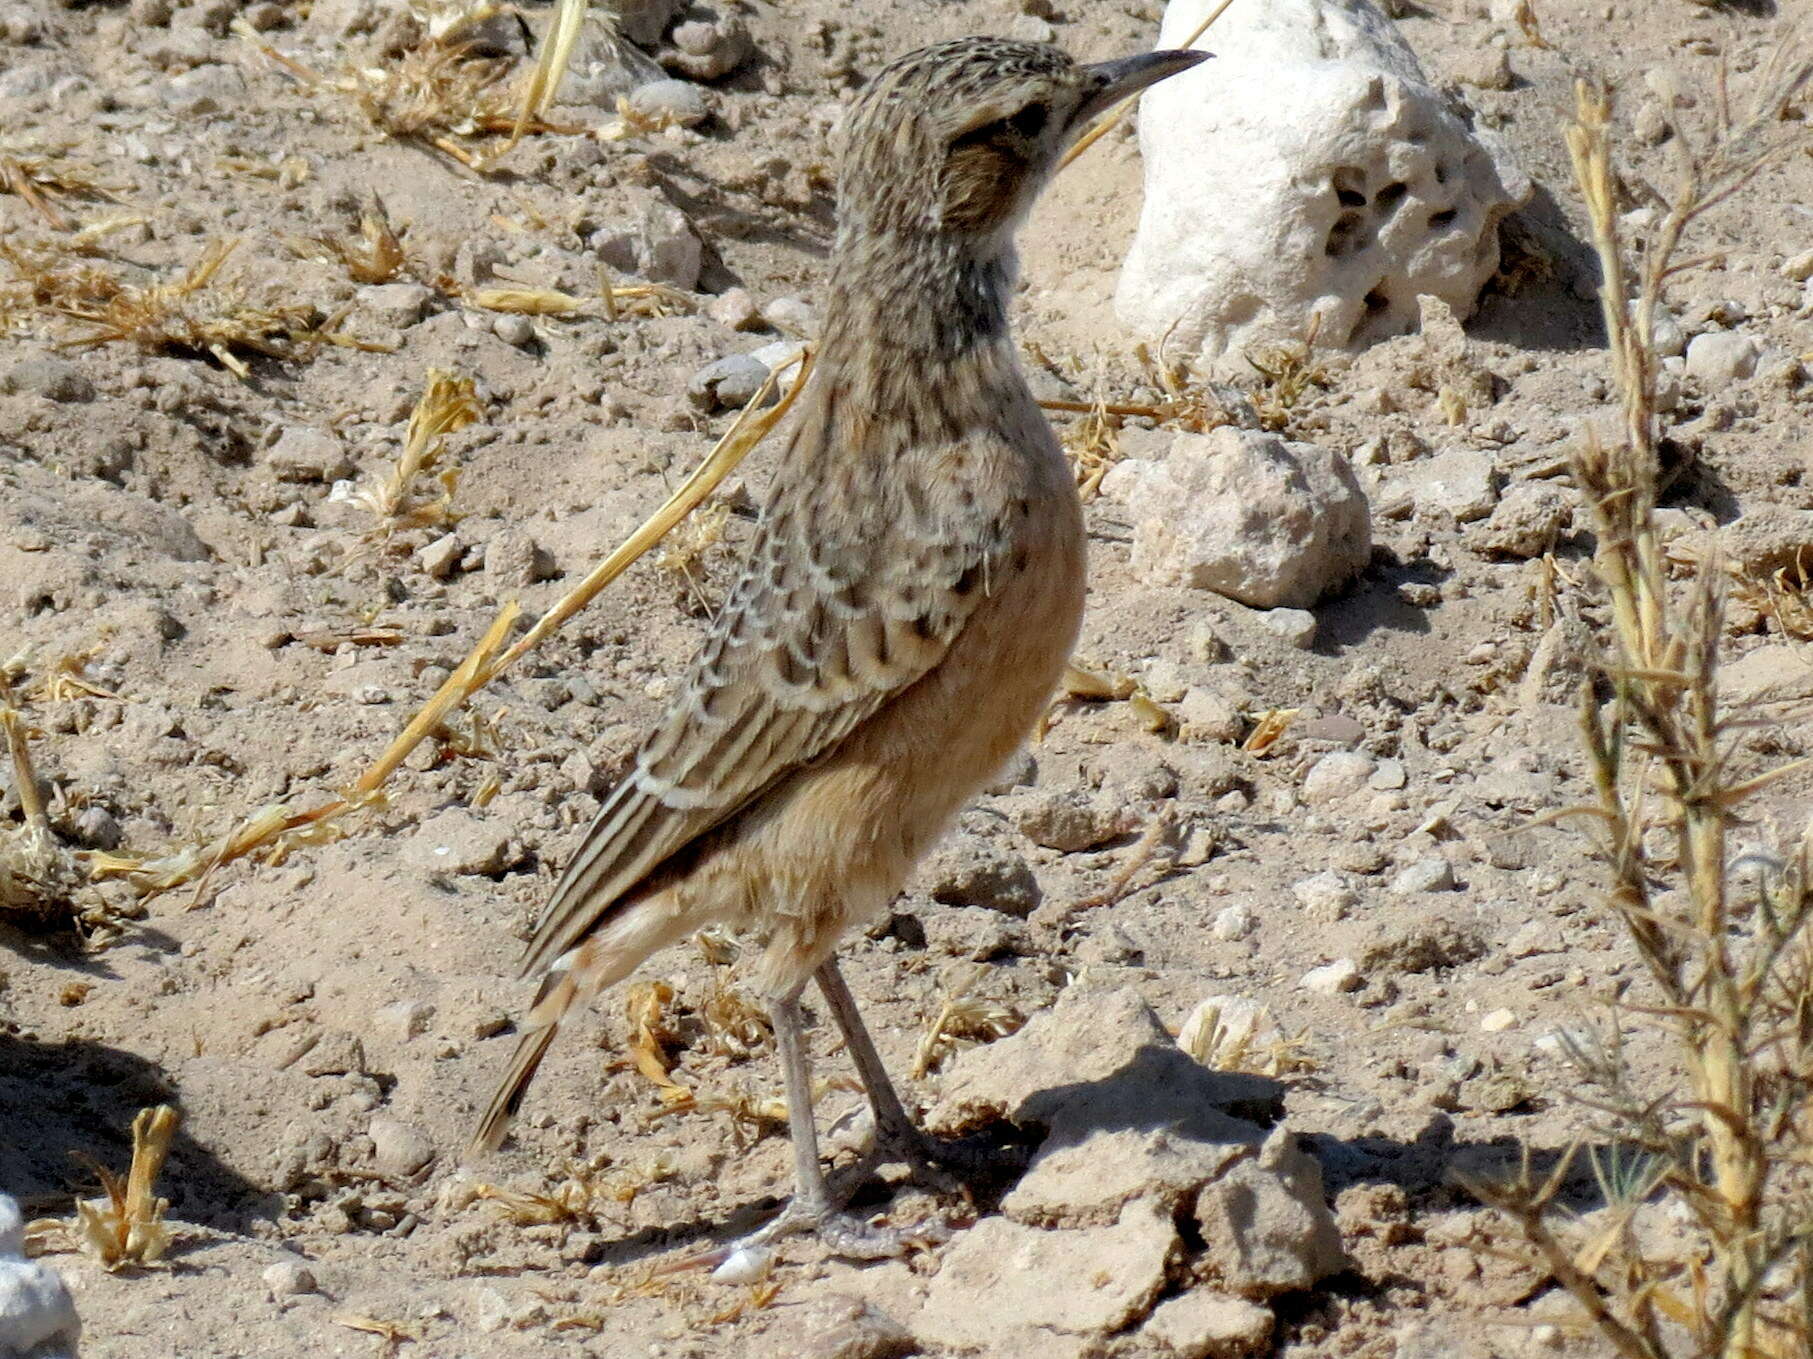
[1309, 176]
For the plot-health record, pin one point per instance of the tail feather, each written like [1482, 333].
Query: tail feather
[601, 961]
[532, 1047]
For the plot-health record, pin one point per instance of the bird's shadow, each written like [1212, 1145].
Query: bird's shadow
[1164, 1089]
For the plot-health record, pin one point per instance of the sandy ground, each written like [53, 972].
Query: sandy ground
[230, 634]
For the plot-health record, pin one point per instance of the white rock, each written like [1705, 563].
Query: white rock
[1462, 483]
[1310, 171]
[1203, 1324]
[1497, 1021]
[1247, 515]
[659, 244]
[1325, 894]
[1234, 922]
[677, 102]
[1343, 974]
[1722, 356]
[399, 1148]
[1389, 775]
[1295, 626]
[37, 1315]
[1425, 875]
[1336, 775]
[288, 1278]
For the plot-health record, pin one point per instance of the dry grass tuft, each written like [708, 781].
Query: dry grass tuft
[126, 1228]
[43, 178]
[375, 255]
[1726, 942]
[448, 404]
[587, 1195]
[195, 312]
[437, 89]
[1226, 1033]
[963, 1020]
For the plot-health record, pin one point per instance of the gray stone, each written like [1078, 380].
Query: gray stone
[288, 1279]
[1246, 514]
[517, 560]
[457, 841]
[1434, 874]
[671, 102]
[1337, 775]
[1722, 357]
[1066, 819]
[1295, 627]
[727, 384]
[441, 557]
[1461, 483]
[395, 304]
[514, 330]
[1204, 1324]
[1528, 520]
[658, 244]
[967, 871]
[1267, 1225]
[399, 1148]
[1030, 1279]
[403, 1020]
[303, 453]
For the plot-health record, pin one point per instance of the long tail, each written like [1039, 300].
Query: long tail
[557, 996]
[602, 960]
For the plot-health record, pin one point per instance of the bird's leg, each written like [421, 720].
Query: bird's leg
[895, 1133]
[812, 1208]
[893, 1129]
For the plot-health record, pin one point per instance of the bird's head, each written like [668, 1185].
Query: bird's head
[958, 138]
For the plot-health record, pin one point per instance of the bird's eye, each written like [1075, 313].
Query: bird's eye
[1029, 122]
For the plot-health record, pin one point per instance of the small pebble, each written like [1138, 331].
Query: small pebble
[735, 309]
[1341, 975]
[745, 1265]
[1425, 875]
[1335, 776]
[1326, 895]
[1234, 922]
[1722, 357]
[1295, 626]
[1497, 1021]
[513, 329]
[288, 1278]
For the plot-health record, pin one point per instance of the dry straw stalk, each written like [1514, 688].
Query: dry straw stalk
[1735, 978]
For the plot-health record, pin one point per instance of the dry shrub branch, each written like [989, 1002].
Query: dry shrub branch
[1725, 1141]
[275, 829]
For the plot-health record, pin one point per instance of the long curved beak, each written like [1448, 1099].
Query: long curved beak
[1126, 77]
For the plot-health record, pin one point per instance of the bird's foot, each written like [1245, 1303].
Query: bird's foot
[842, 1234]
[942, 1165]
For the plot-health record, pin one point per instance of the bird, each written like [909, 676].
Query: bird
[906, 606]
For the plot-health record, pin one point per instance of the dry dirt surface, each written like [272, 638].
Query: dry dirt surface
[206, 616]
